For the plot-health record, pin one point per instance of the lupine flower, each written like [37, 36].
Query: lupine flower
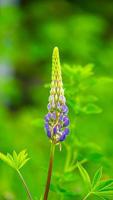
[56, 121]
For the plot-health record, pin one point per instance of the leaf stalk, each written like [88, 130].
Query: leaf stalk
[25, 185]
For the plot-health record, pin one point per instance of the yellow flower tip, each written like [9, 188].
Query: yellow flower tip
[56, 71]
[55, 52]
[55, 49]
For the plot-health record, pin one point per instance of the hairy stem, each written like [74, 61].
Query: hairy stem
[25, 185]
[49, 171]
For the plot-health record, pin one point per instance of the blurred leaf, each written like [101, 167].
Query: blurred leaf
[105, 80]
[87, 71]
[84, 174]
[91, 98]
[97, 178]
[15, 161]
[91, 109]
[68, 177]
[63, 191]
[90, 151]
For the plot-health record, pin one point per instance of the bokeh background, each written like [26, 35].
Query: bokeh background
[29, 29]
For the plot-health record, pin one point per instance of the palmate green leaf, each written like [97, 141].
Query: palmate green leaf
[104, 189]
[101, 197]
[104, 194]
[96, 178]
[103, 185]
[16, 161]
[84, 175]
[108, 189]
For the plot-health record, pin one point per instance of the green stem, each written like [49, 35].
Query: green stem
[49, 171]
[67, 162]
[68, 158]
[25, 185]
[87, 196]
[73, 167]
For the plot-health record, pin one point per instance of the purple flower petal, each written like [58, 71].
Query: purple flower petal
[66, 121]
[62, 137]
[58, 106]
[46, 126]
[53, 115]
[66, 131]
[64, 109]
[55, 130]
[49, 106]
[61, 117]
[47, 117]
[49, 133]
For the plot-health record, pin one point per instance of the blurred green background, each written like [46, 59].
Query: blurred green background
[29, 30]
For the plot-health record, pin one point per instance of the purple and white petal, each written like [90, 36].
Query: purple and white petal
[46, 126]
[66, 131]
[62, 137]
[53, 115]
[64, 109]
[55, 129]
[66, 121]
[49, 133]
[49, 106]
[62, 99]
[61, 117]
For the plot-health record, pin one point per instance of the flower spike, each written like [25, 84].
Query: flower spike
[56, 121]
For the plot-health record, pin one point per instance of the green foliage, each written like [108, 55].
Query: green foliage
[82, 79]
[84, 175]
[97, 178]
[83, 32]
[41, 198]
[63, 191]
[98, 186]
[91, 108]
[16, 161]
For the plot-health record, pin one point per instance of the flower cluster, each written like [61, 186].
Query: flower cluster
[56, 121]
